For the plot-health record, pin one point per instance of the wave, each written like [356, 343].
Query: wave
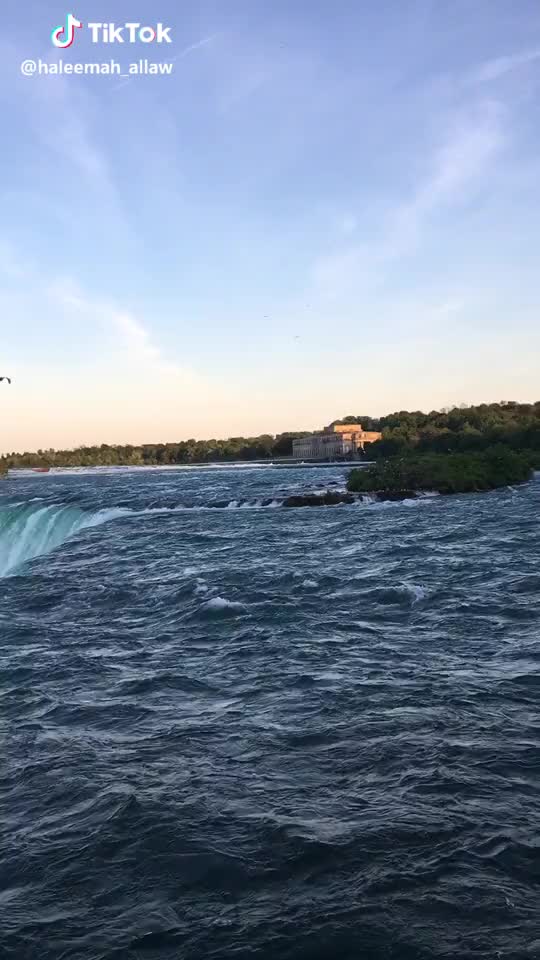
[220, 604]
[29, 530]
[34, 528]
[256, 504]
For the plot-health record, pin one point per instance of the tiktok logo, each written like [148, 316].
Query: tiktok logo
[64, 36]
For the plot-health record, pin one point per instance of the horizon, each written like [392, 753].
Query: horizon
[274, 434]
[316, 210]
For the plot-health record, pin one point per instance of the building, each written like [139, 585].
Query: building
[338, 441]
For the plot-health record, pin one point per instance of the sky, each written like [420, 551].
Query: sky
[325, 209]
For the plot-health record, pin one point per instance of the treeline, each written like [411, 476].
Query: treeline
[264, 447]
[443, 472]
[457, 430]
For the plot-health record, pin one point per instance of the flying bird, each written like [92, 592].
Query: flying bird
[5, 378]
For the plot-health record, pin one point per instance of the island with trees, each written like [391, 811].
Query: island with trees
[445, 473]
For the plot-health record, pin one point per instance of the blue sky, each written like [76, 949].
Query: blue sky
[325, 209]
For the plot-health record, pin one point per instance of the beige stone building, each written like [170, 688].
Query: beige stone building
[339, 440]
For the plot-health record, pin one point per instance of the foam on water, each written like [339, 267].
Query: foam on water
[415, 591]
[24, 473]
[221, 603]
[33, 528]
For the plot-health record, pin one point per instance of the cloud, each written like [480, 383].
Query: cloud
[64, 118]
[469, 145]
[194, 46]
[180, 56]
[500, 66]
[135, 337]
[58, 112]
[61, 116]
[108, 381]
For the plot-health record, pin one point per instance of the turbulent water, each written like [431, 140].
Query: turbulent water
[259, 732]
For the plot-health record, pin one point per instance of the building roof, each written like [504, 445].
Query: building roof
[344, 428]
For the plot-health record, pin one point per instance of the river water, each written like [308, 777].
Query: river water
[259, 732]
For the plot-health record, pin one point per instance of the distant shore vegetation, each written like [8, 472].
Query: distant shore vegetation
[463, 429]
[444, 473]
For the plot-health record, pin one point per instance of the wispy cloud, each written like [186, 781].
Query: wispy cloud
[61, 116]
[500, 66]
[194, 46]
[468, 147]
[135, 337]
[58, 113]
[179, 56]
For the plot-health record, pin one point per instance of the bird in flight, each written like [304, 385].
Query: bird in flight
[5, 378]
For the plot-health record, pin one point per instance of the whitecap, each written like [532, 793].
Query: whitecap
[220, 603]
[200, 587]
[416, 591]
